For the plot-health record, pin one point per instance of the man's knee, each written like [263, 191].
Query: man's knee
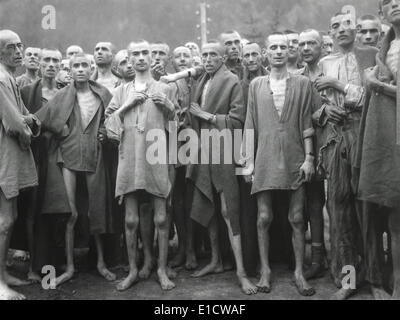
[264, 219]
[296, 219]
[131, 222]
[6, 223]
[161, 220]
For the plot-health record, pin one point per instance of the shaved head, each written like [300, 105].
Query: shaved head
[45, 51]
[74, 49]
[80, 56]
[272, 37]
[182, 49]
[107, 44]
[11, 50]
[215, 45]
[251, 47]
[122, 54]
[6, 35]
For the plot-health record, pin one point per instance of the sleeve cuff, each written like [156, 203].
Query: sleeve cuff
[114, 128]
[308, 133]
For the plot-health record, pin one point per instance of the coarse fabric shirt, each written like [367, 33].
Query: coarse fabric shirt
[23, 80]
[278, 139]
[17, 166]
[380, 155]
[278, 89]
[136, 172]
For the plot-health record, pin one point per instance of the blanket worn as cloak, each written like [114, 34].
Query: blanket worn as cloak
[225, 100]
[379, 155]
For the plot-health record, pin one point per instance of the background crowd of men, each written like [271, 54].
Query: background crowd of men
[323, 113]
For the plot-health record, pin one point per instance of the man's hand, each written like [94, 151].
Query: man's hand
[371, 77]
[325, 82]
[307, 169]
[248, 173]
[334, 113]
[158, 69]
[198, 112]
[168, 78]
[133, 99]
[29, 120]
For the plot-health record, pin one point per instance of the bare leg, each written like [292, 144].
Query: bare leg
[236, 243]
[147, 234]
[70, 185]
[179, 220]
[8, 214]
[131, 226]
[296, 220]
[161, 222]
[101, 265]
[215, 266]
[264, 220]
[315, 195]
[394, 227]
[30, 226]
[191, 260]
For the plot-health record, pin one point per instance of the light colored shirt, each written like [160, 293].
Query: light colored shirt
[344, 68]
[88, 104]
[278, 88]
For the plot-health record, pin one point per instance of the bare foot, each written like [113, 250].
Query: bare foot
[34, 277]
[165, 282]
[178, 260]
[130, 280]
[264, 284]
[66, 276]
[172, 274]
[104, 272]
[379, 293]
[247, 286]
[342, 294]
[213, 267]
[8, 294]
[191, 261]
[145, 272]
[302, 286]
[15, 282]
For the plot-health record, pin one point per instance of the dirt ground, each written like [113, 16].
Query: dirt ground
[89, 285]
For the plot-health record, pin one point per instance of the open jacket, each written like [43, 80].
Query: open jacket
[55, 115]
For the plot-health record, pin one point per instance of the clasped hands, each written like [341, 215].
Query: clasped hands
[137, 98]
